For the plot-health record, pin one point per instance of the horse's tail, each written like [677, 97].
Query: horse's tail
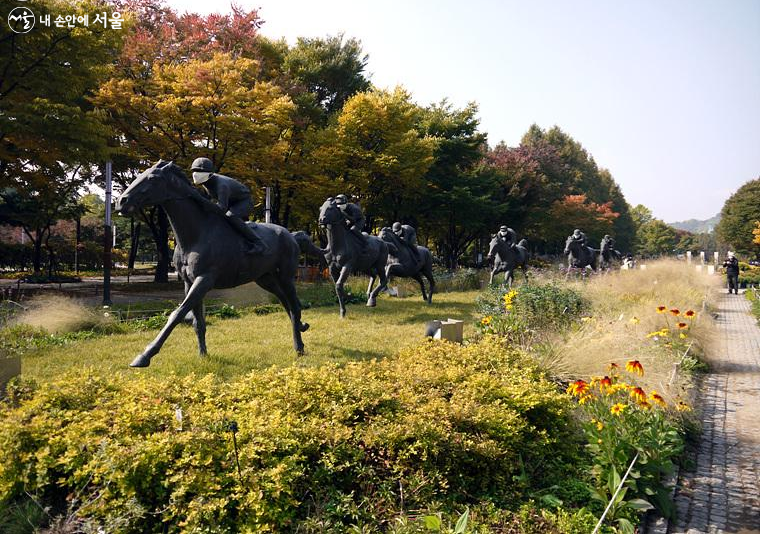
[307, 246]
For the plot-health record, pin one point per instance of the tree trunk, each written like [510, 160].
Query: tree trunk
[37, 256]
[134, 242]
[162, 247]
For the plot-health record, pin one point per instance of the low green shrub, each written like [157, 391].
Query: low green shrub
[441, 426]
[530, 307]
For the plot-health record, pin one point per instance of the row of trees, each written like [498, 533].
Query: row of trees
[301, 119]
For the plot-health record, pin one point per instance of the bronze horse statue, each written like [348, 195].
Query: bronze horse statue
[210, 253]
[507, 258]
[346, 255]
[401, 263]
[580, 256]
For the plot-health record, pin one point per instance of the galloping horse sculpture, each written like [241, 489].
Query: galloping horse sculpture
[345, 255]
[507, 258]
[606, 255]
[401, 263]
[210, 253]
[580, 256]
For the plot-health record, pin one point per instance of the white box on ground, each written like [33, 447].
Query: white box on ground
[711, 269]
[643, 267]
[698, 268]
[450, 330]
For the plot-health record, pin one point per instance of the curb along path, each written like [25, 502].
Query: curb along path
[722, 491]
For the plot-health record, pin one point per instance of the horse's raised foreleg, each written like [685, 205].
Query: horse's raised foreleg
[509, 278]
[380, 270]
[194, 297]
[493, 272]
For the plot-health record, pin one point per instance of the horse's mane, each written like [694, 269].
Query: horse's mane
[179, 178]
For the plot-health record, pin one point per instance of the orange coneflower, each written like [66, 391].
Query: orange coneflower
[682, 325]
[612, 366]
[690, 314]
[656, 397]
[645, 405]
[617, 409]
[675, 312]
[605, 382]
[634, 366]
[578, 388]
[638, 395]
[662, 309]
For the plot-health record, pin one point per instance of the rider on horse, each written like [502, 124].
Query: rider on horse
[579, 236]
[508, 235]
[354, 218]
[607, 245]
[408, 236]
[232, 197]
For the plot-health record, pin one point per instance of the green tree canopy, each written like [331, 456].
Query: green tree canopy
[738, 218]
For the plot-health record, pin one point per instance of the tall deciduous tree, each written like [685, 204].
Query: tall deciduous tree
[375, 152]
[654, 238]
[455, 203]
[738, 218]
[577, 211]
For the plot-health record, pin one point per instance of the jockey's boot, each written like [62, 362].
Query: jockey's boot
[254, 244]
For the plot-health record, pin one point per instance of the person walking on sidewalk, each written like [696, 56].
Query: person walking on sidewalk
[732, 272]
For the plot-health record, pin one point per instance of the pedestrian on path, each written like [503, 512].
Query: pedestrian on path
[732, 272]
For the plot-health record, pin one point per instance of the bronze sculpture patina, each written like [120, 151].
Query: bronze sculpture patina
[232, 197]
[579, 254]
[348, 253]
[212, 252]
[607, 252]
[407, 259]
[508, 256]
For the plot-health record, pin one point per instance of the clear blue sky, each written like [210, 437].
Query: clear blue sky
[665, 94]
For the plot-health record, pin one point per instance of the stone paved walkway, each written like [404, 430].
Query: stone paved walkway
[722, 492]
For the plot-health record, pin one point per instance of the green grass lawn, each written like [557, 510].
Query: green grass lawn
[238, 346]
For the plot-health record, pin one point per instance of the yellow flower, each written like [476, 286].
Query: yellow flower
[662, 309]
[644, 404]
[634, 320]
[682, 335]
[638, 395]
[578, 388]
[634, 366]
[617, 409]
[486, 320]
[599, 425]
[585, 398]
[682, 407]
[675, 312]
[657, 398]
[690, 314]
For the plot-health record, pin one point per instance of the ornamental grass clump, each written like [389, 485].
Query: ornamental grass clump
[530, 311]
[620, 420]
[439, 427]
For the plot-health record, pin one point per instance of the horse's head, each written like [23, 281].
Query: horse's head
[572, 245]
[330, 213]
[155, 185]
[495, 247]
[387, 235]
